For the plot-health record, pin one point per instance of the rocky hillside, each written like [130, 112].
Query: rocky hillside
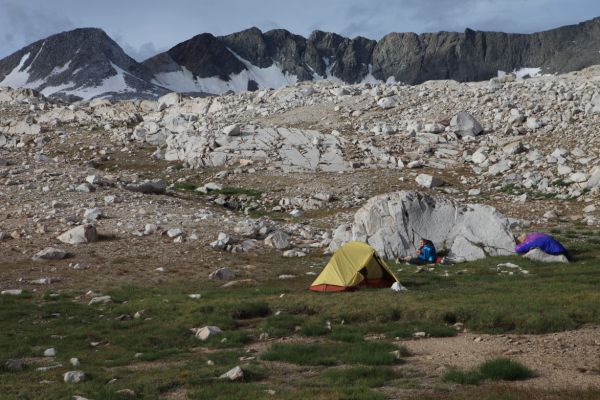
[83, 63]
[86, 63]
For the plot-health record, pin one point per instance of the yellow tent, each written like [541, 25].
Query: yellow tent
[354, 264]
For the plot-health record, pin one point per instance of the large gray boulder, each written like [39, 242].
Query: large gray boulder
[464, 124]
[394, 223]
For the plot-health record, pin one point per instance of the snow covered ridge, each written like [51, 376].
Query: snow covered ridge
[19, 77]
[183, 80]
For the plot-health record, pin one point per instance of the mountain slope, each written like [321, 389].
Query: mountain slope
[83, 63]
[252, 59]
[87, 63]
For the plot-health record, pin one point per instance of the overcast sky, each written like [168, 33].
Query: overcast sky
[145, 27]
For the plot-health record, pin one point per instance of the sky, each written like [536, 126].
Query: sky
[146, 27]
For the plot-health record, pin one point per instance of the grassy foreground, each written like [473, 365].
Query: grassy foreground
[325, 354]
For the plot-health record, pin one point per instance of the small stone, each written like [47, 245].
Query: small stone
[81, 234]
[207, 332]
[51, 352]
[429, 181]
[126, 392]
[50, 253]
[234, 374]
[75, 362]
[100, 300]
[175, 232]
[232, 130]
[222, 274]
[278, 240]
[92, 214]
[74, 376]
[12, 292]
[14, 365]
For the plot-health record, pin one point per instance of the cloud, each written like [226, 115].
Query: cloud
[138, 53]
[23, 24]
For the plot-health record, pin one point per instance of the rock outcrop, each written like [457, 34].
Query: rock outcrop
[394, 223]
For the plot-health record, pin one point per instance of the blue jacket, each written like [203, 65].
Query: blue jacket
[427, 253]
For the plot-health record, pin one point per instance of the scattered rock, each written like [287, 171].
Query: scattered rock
[464, 124]
[207, 332]
[50, 253]
[429, 181]
[234, 374]
[222, 274]
[81, 234]
[100, 300]
[278, 240]
[539, 255]
[74, 376]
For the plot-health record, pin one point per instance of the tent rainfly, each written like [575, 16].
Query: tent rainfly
[354, 264]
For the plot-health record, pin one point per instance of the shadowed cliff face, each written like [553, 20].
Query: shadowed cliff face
[250, 59]
[408, 57]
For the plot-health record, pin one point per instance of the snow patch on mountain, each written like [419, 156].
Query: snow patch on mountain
[60, 70]
[369, 78]
[184, 81]
[112, 84]
[17, 78]
[522, 72]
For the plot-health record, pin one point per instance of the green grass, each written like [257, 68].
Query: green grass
[366, 353]
[496, 369]
[504, 369]
[359, 376]
[251, 310]
[160, 354]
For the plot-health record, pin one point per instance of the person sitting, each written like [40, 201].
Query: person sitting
[542, 241]
[426, 253]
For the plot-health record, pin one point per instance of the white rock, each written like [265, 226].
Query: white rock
[50, 253]
[278, 240]
[207, 332]
[51, 352]
[386, 103]
[92, 214]
[464, 124]
[100, 300]
[234, 374]
[74, 376]
[81, 234]
[578, 177]
[12, 292]
[168, 100]
[479, 157]
[539, 255]
[232, 130]
[394, 223]
[222, 274]
[429, 181]
[175, 232]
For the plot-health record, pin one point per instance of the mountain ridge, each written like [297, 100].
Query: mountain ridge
[86, 63]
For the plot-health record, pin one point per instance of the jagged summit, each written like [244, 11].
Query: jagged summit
[82, 63]
[87, 63]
